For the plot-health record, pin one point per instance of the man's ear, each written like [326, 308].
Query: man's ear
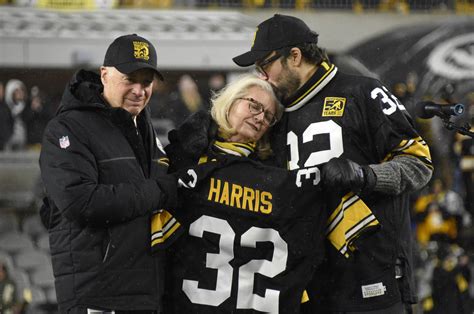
[295, 57]
[103, 75]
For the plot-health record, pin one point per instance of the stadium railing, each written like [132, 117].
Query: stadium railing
[400, 6]
[19, 179]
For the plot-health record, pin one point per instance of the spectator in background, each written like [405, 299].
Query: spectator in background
[15, 99]
[185, 101]
[214, 84]
[450, 287]
[8, 301]
[434, 223]
[440, 214]
[159, 99]
[405, 92]
[6, 120]
[36, 117]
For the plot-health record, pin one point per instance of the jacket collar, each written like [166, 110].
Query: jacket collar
[323, 75]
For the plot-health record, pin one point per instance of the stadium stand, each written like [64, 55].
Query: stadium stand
[403, 6]
[43, 242]
[24, 249]
[43, 277]
[23, 284]
[37, 297]
[14, 242]
[31, 260]
[33, 226]
[51, 295]
[19, 174]
[7, 260]
[34, 42]
[8, 221]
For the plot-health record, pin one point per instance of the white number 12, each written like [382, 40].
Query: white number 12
[316, 158]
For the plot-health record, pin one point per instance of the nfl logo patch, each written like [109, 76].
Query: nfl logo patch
[64, 142]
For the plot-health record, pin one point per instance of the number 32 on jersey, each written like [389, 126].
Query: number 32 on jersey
[246, 299]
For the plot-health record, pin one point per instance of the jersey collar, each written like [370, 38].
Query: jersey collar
[322, 76]
[234, 148]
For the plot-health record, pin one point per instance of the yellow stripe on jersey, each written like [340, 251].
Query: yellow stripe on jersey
[329, 68]
[163, 226]
[349, 221]
[305, 297]
[163, 160]
[230, 148]
[202, 160]
[234, 148]
[415, 147]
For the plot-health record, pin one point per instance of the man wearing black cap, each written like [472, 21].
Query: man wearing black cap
[104, 174]
[363, 140]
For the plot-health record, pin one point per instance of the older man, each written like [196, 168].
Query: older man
[104, 175]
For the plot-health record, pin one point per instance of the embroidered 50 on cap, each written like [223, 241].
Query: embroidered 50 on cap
[130, 53]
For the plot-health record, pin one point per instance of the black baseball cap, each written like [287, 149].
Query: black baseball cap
[129, 53]
[275, 33]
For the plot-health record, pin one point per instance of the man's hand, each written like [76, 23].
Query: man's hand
[344, 174]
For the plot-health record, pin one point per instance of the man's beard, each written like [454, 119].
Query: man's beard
[288, 84]
[278, 93]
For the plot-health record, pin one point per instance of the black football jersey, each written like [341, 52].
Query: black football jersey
[357, 118]
[253, 235]
[338, 115]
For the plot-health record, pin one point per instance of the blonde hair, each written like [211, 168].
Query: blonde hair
[223, 100]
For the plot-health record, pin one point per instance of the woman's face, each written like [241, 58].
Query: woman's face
[251, 115]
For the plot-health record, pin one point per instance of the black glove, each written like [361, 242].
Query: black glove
[344, 174]
[191, 140]
[168, 184]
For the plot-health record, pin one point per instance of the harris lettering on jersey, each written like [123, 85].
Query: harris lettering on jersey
[239, 196]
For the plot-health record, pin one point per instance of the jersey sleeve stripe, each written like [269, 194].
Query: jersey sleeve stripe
[164, 229]
[163, 160]
[348, 222]
[415, 147]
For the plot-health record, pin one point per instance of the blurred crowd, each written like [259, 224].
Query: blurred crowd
[23, 116]
[442, 213]
[25, 111]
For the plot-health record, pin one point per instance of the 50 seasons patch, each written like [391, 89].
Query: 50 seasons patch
[334, 106]
[140, 50]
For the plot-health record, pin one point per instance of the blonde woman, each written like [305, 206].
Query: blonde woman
[251, 237]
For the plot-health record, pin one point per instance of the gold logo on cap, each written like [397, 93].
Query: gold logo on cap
[334, 106]
[254, 36]
[140, 50]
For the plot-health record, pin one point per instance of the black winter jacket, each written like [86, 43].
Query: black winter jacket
[101, 189]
